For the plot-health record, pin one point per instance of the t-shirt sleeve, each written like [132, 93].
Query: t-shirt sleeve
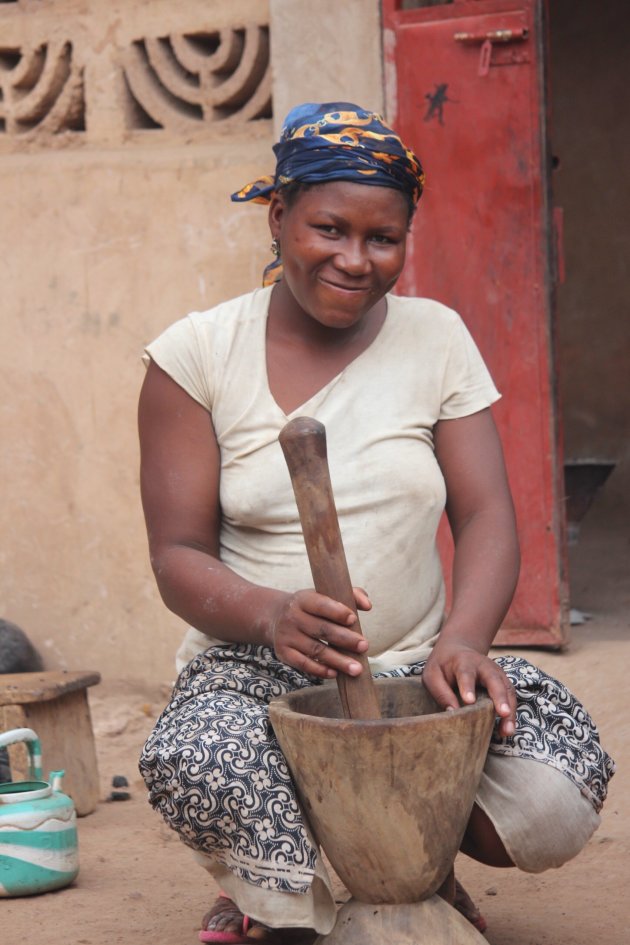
[467, 386]
[179, 353]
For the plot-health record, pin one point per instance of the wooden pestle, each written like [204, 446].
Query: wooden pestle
[303, 443]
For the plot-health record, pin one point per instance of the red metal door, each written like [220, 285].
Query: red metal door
[465, 84]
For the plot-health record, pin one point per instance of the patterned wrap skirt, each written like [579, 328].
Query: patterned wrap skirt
[216, 773]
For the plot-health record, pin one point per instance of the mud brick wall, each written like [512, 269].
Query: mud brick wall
[124, 127]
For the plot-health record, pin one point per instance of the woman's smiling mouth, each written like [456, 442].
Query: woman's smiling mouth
[340, 287]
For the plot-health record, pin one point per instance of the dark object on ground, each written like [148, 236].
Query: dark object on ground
[583, 478]
[119, 781]
[17, 653]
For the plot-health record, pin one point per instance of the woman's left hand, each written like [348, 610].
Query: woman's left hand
[457, 667]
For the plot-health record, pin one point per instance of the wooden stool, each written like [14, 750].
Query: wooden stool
[55, 705]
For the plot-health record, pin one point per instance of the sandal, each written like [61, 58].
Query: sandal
[248, 932]
[464, 904]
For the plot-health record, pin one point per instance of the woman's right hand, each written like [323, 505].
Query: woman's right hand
[308, 630]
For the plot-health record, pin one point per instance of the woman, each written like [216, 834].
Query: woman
[405, 398]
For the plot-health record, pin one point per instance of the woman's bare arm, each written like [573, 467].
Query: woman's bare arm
[485, 567]
[179, 477]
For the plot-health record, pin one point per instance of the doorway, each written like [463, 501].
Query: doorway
[590, 132]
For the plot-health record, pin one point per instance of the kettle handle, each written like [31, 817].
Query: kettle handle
[32, 743]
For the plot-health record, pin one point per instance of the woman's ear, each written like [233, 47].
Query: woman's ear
[277, 210]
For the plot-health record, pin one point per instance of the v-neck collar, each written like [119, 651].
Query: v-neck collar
[320, 395]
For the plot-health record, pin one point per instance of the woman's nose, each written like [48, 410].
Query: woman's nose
[353, 258]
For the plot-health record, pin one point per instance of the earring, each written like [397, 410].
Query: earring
[275, 246]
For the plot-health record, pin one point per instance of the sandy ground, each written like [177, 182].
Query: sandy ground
[138, 884]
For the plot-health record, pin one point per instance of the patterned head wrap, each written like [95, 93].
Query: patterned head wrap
[336, 141]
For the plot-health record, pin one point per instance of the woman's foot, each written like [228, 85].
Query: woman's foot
[225, 923]
[454, 893]
[464, 904]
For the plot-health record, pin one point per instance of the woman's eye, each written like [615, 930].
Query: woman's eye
[380, 238]
[327, 228]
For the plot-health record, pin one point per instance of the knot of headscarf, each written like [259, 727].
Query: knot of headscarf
[336, 141]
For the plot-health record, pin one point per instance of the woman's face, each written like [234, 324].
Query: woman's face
[343, 247]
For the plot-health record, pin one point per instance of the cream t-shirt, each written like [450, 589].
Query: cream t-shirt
[379, 414]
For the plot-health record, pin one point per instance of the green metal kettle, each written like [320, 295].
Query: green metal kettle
[38, 832]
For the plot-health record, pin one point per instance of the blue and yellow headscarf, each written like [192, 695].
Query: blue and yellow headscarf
[336, 141]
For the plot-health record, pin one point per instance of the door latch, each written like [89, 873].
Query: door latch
[487, 41]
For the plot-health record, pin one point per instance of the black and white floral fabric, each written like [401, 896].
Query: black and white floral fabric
[217, 775]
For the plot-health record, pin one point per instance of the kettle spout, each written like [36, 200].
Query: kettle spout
[55, 778]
